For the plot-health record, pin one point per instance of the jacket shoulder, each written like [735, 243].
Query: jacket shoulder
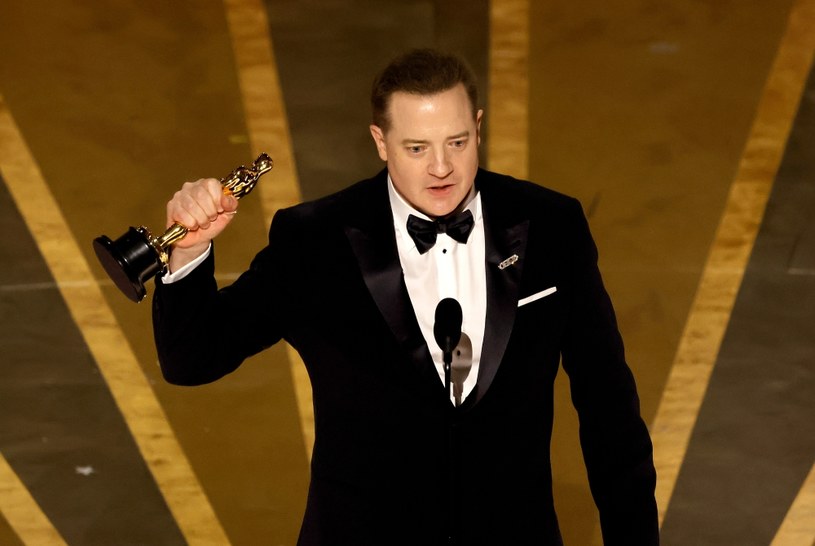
[344, 203]
[522, 197]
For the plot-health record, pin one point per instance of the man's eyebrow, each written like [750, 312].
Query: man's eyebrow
[413, 141]
[459, 135]
[410, 141]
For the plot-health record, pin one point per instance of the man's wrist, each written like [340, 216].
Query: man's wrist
[177, 272]
[180, 257]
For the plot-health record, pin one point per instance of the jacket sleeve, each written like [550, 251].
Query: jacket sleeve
[203, 333]
[616, 445]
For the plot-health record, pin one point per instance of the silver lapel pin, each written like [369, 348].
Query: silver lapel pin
[508, 262]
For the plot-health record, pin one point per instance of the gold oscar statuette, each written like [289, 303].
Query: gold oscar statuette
[138, 256]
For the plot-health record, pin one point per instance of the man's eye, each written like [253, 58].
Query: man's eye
[458, 143]
[415, 149]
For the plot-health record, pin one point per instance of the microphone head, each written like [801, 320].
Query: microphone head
[447, 329]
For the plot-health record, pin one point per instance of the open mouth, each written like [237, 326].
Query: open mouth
[439, 190]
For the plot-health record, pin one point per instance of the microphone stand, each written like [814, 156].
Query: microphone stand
[447, 331]
[447, 359]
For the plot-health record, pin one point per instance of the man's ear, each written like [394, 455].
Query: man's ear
[379, 139]
[478, 117]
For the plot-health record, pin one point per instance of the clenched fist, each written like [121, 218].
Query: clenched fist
[204, 209]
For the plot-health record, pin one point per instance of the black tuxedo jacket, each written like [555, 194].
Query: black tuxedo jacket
[393, 461]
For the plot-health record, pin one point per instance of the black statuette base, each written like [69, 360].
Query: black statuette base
[129, 261]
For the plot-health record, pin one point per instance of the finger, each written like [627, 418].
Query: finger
[189, 210]
[203, 197]
[206, 195]
[221, 222]
[228, 203]
[215, 191]
[178, 214]
[184, 217]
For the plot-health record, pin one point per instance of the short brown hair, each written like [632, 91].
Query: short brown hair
[420, 72]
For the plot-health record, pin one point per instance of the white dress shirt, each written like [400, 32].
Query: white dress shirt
[448, 270]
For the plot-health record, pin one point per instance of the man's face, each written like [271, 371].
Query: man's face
[431, 148]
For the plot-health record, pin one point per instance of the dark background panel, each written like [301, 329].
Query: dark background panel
[61, 431]
[754, 443]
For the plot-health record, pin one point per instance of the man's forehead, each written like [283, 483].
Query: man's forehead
[450, 112]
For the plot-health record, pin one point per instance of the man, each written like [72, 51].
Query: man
[398, 459]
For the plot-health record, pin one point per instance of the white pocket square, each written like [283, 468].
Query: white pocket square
[539, 295]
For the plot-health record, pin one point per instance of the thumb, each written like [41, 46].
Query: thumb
[229, 203]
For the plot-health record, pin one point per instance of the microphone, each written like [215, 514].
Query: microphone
[461, 366]
[447, 329]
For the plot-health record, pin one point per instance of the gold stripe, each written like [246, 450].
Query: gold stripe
[508, 104]
[269, 131]
[22, 512]
[105, 340]
[798, 527]
[710, 312]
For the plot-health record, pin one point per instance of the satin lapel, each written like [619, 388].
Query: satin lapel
[505, 247]
[374, 244]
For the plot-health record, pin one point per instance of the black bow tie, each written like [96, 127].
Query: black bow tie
[423, 232]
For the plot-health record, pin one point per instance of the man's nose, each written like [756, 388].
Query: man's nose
[440, 165]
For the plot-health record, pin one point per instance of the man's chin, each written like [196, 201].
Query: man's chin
[439, 210]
